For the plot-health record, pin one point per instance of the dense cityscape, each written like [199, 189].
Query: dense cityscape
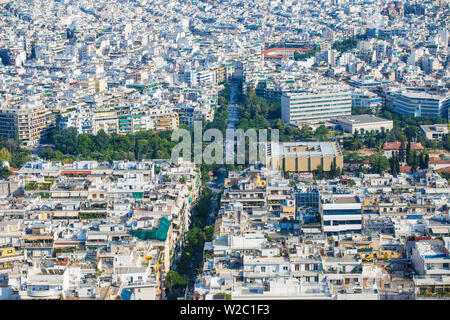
[348, 199]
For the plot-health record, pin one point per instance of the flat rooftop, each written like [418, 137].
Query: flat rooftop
[361, 119]
[441, 128]
[308, 149]
[424, 95]
[350, 199]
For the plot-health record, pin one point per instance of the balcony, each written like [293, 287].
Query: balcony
[38, 245]
[40, 293]
[137, 284]
[431, 281]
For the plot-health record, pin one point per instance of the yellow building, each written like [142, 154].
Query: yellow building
[364, 248]
[384, 253]
[304, 156]
[8, 256]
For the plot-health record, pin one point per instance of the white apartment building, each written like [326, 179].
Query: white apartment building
[310, 107]
[341, 215]
[419, 104]
[430, 259]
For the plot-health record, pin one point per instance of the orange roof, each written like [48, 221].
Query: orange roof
[405, 169]
[76, 172]
[397, 145]
[446, 169]
[437, 160]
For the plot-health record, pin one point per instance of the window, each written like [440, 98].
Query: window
[285, 268]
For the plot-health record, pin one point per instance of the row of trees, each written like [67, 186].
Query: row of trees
[191, 257]
[255, 111]
[145, 144]
[334, 172]
[379, 163]
[288, 133]
[11, 151]
[345, 45]
[301, 56]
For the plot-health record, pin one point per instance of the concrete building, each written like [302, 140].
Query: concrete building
[430, 259]
[30, 121]
[341, 215]
[297, 108]
[304, 156]
[362, 123]
[365, 99]
[434, 131]
[419, 104]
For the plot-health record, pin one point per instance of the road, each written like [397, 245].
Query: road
[218, 181]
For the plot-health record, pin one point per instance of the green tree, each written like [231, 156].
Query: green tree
[174, 279]
[378, 163]
[66, 141]
[321, 132]
[5, 155]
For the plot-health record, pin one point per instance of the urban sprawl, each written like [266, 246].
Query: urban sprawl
[352, 203]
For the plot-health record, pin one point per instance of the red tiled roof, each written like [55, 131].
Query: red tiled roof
[405, 169]
[437, 160]
[397, 145]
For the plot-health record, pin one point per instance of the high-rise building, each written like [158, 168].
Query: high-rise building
[30, 121]
[419, 104]
[297, 108]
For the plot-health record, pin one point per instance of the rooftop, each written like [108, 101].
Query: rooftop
[361, 119]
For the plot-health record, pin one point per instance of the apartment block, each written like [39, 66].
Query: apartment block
[311, 107]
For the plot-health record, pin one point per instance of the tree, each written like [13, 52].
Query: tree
[447, 143]
[85, 144]
[305, 132]
[378, 163]
[102, 141]
[321, 132]
[319, 173]
[66, 141]
[334, 170]
[174, 279]
[5, 155]
[401, 155]
[5, 172]
[395, 164]
[424, 161]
